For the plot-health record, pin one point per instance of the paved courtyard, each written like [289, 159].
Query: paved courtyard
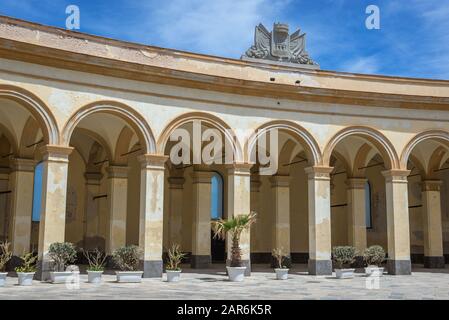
[213, 284]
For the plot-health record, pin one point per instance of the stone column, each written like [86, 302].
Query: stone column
[176, 188]
[255, 206]
[118, 207]
[433, 231]
[398, 226]
[239, 191]
[4, 203]
[22, 185]
[91, 214]
[53, 210]
[280, 186]
[319, 220]
[151, 224]
[357, 214]
[201, 233]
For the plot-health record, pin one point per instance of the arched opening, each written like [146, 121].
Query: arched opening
[25, 126]
[426, 156]
[279, 191]
[103, 188]
[359, 156]
[199, 148]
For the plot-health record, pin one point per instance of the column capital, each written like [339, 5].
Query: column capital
[56, 153]
[356, 183]
[93, 177]
[202, 176]
[153, 161]
[117, 172]
[431, 185]
[176, 182]
[279, 181]
[396, 175]
[27, 165]
[240, 168]
[319, 172]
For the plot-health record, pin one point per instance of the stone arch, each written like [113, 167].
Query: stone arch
[439, 135]
[301, 134]
[37, 108]
[208, 118]
[10, 137]
[383, 145]
[121, 110]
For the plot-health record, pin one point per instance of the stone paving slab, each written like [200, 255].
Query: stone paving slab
[213, 284]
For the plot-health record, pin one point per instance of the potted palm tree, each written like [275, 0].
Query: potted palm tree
[234, 226]
[343, 257]
[374, 256]
[175, 257]
[128, 260]
[5, 256]
[62, 254]
[281, 269]
[96, 260]
[26, 272]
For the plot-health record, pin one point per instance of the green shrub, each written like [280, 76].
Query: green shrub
[374, 256]
[96, 259]
[175, 257]
[62, 253]
[5, 254]
[28, 263]
[343, 256]
[127, 258]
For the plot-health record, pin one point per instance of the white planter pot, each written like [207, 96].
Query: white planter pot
[3, 278]
[60, 276]
[344, 273]
[94, 276]
[374, 271]
[173, 275]
[129, 276]
[25, 278]
[281, 273]
[236, 274]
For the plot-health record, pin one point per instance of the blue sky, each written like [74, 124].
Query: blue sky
[413, 40]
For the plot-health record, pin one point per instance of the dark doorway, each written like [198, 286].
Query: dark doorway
[218, 250]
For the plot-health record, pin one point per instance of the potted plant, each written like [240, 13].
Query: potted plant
[235, 226]
[128, 260]
[344, 256]
[62, 253]
[281, 269]
[373, 257]
[96, 260]
[175, 257]
[26, 271]
[5, 256]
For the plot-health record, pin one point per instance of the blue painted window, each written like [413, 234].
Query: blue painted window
[37, 192]
[369, 220]
[216, 206]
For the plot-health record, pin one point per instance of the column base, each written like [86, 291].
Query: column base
[152, 268]
[245, 263]
[200, 261]
[434, 262]
[399, 267]
[44, 268]
[320, 267]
